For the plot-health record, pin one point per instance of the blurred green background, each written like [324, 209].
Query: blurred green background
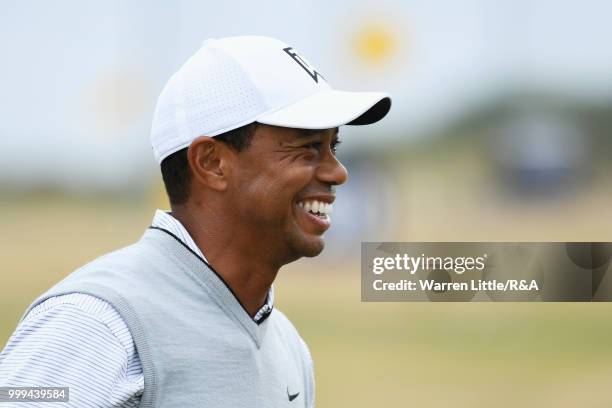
[500, 130]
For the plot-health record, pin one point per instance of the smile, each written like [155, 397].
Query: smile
[318, 208]
[316, 214]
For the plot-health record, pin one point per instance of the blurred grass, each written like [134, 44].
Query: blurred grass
[366, 354]
[459, 355]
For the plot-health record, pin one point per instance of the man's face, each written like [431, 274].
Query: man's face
[281, 175]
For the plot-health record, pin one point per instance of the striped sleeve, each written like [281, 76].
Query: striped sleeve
[76, 341]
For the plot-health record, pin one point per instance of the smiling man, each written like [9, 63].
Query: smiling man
[245, 134]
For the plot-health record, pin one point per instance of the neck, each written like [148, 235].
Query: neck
[235, 258]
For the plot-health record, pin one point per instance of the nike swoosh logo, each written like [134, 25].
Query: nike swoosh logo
[291, 396]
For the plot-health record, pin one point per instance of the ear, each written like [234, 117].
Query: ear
[208, 160]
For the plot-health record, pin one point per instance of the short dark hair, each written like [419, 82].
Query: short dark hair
[175, 168]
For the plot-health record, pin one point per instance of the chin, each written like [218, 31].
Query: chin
[308, 247]
[314, 250]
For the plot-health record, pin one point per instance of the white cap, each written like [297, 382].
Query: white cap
[234, 81]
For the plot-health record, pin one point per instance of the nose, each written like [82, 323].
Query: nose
[331, 171]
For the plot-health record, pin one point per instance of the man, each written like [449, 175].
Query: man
[245, 133]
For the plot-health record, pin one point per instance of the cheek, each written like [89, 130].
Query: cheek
[278, 185]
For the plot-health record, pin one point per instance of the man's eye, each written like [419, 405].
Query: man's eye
[316, 146]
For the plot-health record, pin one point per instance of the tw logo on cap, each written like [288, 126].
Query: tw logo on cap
[302, 63]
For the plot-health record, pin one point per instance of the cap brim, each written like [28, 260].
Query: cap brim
[330, 109]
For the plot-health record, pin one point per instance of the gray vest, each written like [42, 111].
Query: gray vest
[197, 344]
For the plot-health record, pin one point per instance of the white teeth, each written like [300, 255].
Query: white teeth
[315, 207]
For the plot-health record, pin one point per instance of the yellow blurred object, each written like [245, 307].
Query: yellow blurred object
[375, 43]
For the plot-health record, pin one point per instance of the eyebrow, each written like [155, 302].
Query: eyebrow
[304, 133]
